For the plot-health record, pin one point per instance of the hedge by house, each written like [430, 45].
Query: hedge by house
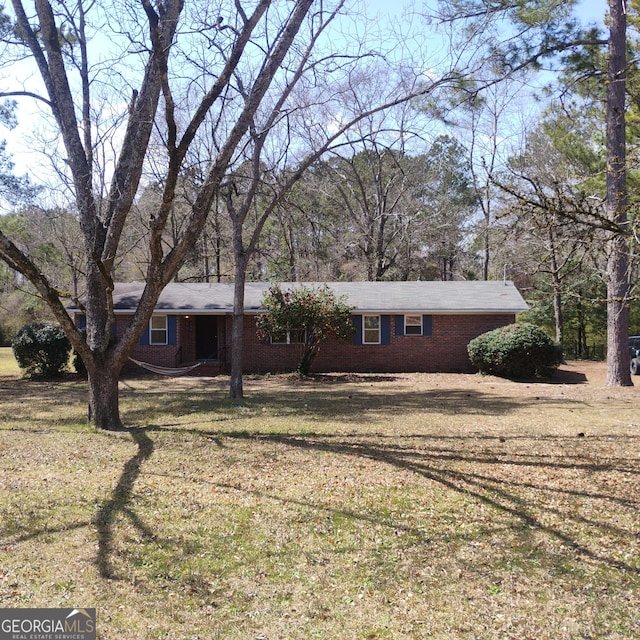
[520, 350]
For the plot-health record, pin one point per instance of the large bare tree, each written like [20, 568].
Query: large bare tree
[222, 73]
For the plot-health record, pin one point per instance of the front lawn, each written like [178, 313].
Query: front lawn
[342, 507]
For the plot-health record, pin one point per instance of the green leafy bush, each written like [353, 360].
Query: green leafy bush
[42, 349]
[515, 351]
[311, 314]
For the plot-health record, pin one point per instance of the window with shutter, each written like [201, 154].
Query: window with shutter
[158, 330]
[371, 329]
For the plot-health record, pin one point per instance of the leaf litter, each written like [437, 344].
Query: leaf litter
[396, 506]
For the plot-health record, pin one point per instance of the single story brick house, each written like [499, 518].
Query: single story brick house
[398, 326]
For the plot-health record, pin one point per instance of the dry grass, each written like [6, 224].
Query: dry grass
[396, 506]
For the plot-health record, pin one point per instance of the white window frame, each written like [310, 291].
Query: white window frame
[156, 329]
[287, 337]
[413, 325]
[365, 329]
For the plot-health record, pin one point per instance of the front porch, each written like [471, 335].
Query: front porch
[180, 342]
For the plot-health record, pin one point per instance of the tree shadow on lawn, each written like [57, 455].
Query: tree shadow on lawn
[336, 398]
[38, 403]
[431, 463]
[560, 376]
[330, 402]
[494, 491]
[120, 502]
[516, 498]
[340, 443]
[510, 498]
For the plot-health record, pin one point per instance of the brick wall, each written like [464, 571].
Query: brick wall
[444, 350]
[162, 355]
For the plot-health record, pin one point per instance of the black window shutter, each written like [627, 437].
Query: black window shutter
[144, 338]
[385, 329]
[172, 330]
[427, 322]
[357, 325]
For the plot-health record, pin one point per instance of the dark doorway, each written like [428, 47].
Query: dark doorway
[206, 337]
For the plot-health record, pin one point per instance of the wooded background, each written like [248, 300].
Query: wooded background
[498, 172]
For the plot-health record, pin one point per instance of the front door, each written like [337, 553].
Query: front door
[206, 337]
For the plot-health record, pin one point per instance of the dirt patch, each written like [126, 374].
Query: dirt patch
[579, 379]
[578, 372]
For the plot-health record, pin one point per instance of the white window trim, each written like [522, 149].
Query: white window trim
[419, 325]
[152, 329]
[364, 330]
[288, 339]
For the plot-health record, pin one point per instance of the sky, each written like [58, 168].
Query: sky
[592, 10]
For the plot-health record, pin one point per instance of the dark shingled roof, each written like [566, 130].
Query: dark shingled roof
[366, 297]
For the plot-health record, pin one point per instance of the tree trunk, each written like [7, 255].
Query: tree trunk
[557, 288]
[309, 353]
[486, 257]
[557, 312]
[104, 406]
[236, 390]
[291, 245]
[618, 373]
[582, 349]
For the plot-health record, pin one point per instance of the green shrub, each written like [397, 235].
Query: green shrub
[311, 314]
[42, 349]
[515, 351]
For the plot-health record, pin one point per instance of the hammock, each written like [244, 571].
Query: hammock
[166, 371]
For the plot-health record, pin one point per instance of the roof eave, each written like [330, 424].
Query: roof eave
[195, 312]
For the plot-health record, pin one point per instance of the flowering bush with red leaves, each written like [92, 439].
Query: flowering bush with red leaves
[315, 313]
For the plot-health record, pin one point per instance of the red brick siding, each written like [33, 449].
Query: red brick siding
[444, 350]
[163, 355]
